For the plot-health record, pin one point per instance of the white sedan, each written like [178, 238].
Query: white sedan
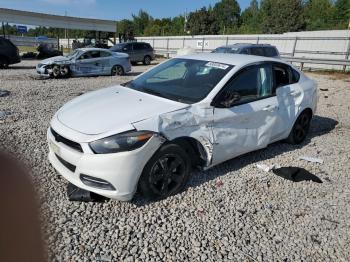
[192, 111]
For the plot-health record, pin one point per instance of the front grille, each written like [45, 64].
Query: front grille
[66, 164]
[67, 142]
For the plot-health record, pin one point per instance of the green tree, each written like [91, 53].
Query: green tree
[342, 14]
[227, 14]
[202, 22]
[319, 14]
[141, 21]
[282, 16]
[251, 19]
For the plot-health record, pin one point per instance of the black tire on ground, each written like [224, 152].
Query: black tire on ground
[166, 173]
[147, 60]
[4, 63]
[300, 129]
[65, 71]
[117, 70]
[56, 71]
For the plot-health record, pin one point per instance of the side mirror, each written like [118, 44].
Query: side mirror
[230, 99]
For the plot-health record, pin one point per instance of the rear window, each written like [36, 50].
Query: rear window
[270, 52]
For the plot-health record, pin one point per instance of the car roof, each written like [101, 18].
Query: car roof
[241, 45]
[230, 59]
[92, 49]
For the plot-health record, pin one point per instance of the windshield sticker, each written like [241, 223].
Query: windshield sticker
[217, 65]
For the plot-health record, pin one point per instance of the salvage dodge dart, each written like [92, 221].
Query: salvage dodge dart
[192, 111]
[85, 62]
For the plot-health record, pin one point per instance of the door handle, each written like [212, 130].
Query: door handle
[269, 108]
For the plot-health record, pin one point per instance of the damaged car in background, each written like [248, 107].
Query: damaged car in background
[191, 111]
[85, 62]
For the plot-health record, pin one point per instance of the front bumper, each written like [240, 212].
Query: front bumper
[42, 71]
[121, 170]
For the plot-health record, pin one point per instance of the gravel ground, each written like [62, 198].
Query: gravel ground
[232, 212]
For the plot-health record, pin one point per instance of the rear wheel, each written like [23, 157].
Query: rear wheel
[117, 70]
[147, 60]
[166, 173]
[300, 129]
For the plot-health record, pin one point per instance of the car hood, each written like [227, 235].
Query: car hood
[55, 59]
[113, 110]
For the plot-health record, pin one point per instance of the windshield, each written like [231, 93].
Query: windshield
[72, 54]
[231, 50]
[182, 80]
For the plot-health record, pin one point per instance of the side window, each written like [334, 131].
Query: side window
[295, 76]
[244, 51]
[138, 46]
[105, 54]
[95, 54]
[127, 47]
[85, 56]
[252, 83]
[146, 46]
[257, 51]
[282, 75]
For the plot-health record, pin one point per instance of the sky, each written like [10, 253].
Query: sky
[111, 9]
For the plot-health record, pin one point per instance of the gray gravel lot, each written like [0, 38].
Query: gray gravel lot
[232, 212]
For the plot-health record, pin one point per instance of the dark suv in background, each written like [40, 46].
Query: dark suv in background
[137, 51]
[249, 49]
[9, 53]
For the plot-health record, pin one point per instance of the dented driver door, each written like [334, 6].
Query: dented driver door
[248, 123]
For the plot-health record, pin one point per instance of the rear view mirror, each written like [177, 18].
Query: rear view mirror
[230, 99]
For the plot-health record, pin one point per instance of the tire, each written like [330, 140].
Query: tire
[300, 129]
[64, 71]
[117, 70]
[56, 71]
[166, 173]
[147, 60]
[4, 63]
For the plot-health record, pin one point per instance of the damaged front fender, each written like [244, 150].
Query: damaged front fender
[193, 122]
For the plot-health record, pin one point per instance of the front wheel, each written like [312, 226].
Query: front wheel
[300, 129]
[3, 63]
[56, 71]
[117, 70]
[166, 173]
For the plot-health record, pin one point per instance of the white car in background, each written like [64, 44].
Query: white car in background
[195, 110]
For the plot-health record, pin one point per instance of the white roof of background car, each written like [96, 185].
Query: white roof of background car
[92, 49]
[230, 59]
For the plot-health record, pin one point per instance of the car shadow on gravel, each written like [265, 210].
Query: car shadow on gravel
[319, 126]
[13, 67]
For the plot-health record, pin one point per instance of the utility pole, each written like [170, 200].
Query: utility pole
[185, 23]
[3, 29]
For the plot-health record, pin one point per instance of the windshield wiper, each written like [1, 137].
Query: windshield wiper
[153, 92]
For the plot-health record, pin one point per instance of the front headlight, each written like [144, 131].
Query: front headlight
[120, 143]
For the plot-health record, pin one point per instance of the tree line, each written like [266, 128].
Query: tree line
[226, 17]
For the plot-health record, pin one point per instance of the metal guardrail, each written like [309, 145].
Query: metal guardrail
[316, 50]
[301, 60]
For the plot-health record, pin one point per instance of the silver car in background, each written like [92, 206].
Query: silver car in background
[85, 62]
